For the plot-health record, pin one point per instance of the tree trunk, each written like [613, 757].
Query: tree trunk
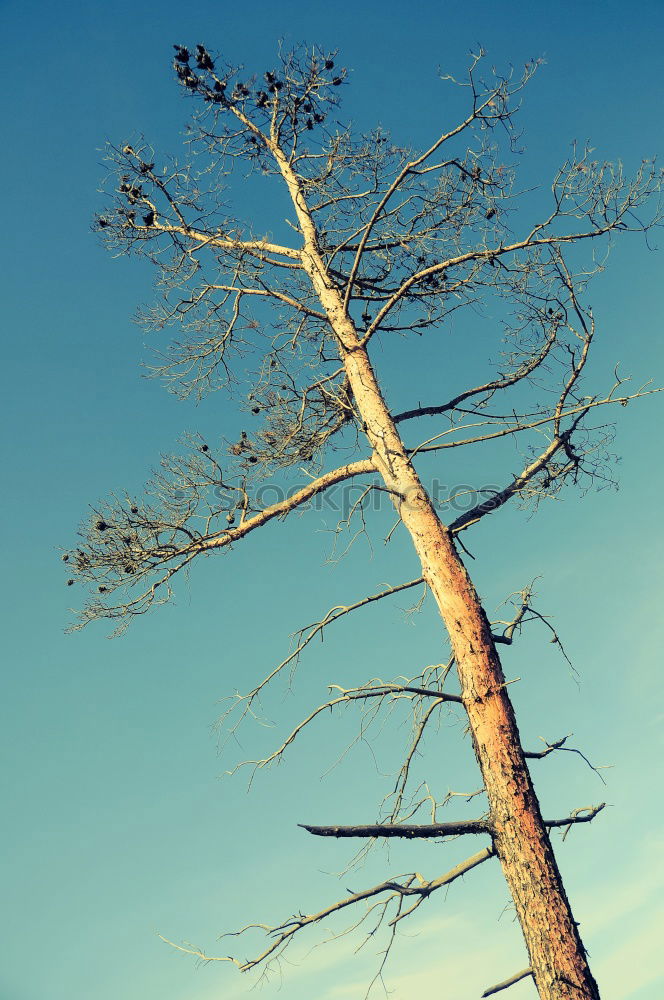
[521, 841]
[557, 955]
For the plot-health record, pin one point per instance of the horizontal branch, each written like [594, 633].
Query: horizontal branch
[409, 831]
[429, 830]
[585, 814]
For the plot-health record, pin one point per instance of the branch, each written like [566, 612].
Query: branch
[477, 512]
[283, 507]
[383, 689]
[347, 697]
[507, 636]
[410, 168]
[411, 885]
[487, 388]
[496, 253]
[560, 745]
[104, 558]
[516, 978]
[306, 635]
[534, 424]
[429, 830]
[272, 293]
[450, 876]
[409, 831]
[550, 747]
[256, 248]
[585, 814]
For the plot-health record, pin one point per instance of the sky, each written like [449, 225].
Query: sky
[119, 822]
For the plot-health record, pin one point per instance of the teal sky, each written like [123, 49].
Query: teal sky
[116, 822]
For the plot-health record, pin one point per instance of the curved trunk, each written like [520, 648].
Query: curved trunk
[521, 841]
[557, 955]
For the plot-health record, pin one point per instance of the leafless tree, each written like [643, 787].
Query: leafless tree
[386, 241]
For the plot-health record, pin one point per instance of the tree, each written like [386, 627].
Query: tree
[385, 241]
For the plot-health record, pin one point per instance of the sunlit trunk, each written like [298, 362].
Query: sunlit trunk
[521, 841]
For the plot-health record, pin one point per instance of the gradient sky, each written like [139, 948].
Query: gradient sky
[116, 824]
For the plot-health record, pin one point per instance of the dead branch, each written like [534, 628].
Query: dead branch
[125, 544]
[519, 427]
[549, 748]
[380, 691]
[584, 814]
[412, 885]
[516, 978]
[305, 635]
[560, 745]
[408, 831]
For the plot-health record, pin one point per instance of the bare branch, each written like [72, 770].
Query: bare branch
[410, 885]
[408, 831]
[126, 543]
[380, 691]
[473, 515]
[585, 814]
[519, 427]
[560, 745]
[488, 388]
[305, 636]
[516, 978]
[549, 748]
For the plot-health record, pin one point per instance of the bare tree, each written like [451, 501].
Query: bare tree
[385, 241]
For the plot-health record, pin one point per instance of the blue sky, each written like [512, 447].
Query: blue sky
[117, 824]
